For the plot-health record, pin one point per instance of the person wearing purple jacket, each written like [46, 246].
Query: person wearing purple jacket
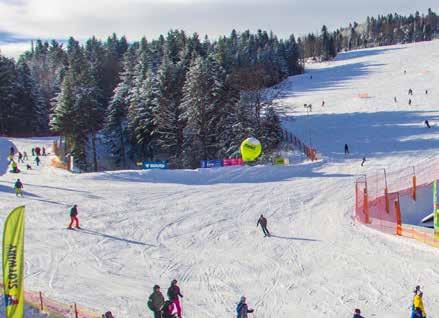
[174, 294]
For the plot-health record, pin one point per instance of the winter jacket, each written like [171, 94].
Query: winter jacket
[418, 303]
[242, 310]
[357, 316]
[18, 185]
[73, 211]
[262, 221]
[156, 301]
[174, 292]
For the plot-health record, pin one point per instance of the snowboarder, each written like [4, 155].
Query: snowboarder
[395, 100]
[33, 152]
[18, 186]
[25, 155]
[169, 310]
[20, 157]
[410, 91]
[263, 222]
[410, 102]
[174, 294]
[346, 149]
[242, 309]
[357, 314]
[156, 302]
[364, 160]
[44, 151]
[427, 123]
[37, 160]
[74, 217]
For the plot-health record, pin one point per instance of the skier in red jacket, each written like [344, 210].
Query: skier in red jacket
[74, 217]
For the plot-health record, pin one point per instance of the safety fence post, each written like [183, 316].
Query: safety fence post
[414, 184]
[398, 218]
[41, 301]
[386, 193]
[366, 206]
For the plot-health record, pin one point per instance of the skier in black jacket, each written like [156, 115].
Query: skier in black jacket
[263, 222]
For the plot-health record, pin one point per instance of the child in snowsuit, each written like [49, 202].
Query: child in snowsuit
[174, 294]
[74, 217]
[242, 309]
[263, 222]
[156, 302]
[25, 155]
[18, 186]
[37, 160]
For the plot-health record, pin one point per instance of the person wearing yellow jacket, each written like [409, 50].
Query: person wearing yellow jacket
[418, 306]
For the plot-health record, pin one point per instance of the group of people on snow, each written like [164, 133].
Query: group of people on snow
[22, 157]
[170, 308]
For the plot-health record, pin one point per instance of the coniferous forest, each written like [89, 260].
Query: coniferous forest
[179, 97]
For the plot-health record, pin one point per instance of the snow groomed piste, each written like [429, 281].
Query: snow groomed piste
[199, 226]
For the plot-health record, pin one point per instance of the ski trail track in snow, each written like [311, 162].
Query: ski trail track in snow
[146, 228]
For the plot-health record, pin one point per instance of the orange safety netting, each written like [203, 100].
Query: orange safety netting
[377, 199]
[54, 308]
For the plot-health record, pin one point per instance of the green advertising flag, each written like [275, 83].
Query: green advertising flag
[13, 257]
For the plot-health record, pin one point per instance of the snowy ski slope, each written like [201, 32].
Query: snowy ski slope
[143, 228]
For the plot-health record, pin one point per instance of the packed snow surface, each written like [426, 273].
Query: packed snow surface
[146, 228]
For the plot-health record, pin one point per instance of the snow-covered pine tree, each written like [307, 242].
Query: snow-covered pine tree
[201, 106]
[168, 126]
[8, 88]
[115, 123]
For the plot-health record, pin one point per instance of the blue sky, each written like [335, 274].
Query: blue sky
[46, 19]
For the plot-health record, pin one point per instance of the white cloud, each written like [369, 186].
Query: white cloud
[134, 18]
[14, 49]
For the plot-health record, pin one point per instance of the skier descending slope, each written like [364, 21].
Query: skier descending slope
[18, 186]
[174, 294]
[74, 217]
[263, 222]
